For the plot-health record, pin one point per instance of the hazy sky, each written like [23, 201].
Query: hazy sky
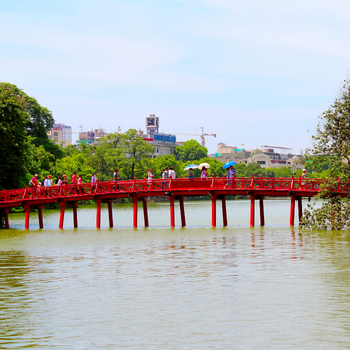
[253, 72]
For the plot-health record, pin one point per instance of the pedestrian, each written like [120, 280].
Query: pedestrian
[166, 173]
[204, 174]
[303, 176]
[116, 178]
[80, 182]
[74, 184]
[228, 176]
[233, 171]
[190, 174]
[59, 184]
[163, 177]
[172, 174]
[34, 181]
[49, 181]
[149, 177]
[93, 182]
[65, 180]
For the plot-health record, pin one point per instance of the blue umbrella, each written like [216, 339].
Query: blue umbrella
[228, 164]
[193, 166]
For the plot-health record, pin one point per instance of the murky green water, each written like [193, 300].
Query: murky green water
[157, 288]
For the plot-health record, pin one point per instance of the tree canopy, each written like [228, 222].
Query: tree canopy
[331, 154]
[191, 150]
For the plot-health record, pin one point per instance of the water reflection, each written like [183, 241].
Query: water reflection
[194, 288]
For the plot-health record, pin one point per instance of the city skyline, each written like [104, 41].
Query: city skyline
[253, 73]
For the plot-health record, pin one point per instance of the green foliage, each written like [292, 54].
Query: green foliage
[191, 150]
[330, 156]
[13, 135]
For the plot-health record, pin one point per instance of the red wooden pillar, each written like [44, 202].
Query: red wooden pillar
[40, 215]
[6, 214]
[135, 212]
[292, 210]
[213, 210]
[110, 213]
[252, 210]
[98, 213]
[26, 222]
[224, 212]
[182, 211]
[172, 211]
[145, 213]
[262, 214]
[300, 208]
[75, 214]
[63, 207]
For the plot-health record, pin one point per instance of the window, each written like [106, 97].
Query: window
[261, 162]
[55, 133]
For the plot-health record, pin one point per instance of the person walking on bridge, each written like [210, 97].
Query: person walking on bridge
[172, 174]
[93, 182]
[149, 177]
[116, 178]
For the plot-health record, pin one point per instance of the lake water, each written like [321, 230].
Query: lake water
[184, 288]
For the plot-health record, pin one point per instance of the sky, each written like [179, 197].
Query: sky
[252, 72]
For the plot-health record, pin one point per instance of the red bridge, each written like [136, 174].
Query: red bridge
[174, 189]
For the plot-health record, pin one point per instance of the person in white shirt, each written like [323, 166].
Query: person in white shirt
[172, 173]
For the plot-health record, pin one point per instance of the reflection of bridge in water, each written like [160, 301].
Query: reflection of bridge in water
[174, 189]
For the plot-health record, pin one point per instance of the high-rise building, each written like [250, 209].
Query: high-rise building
[61, 133]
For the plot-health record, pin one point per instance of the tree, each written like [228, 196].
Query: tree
[13, 134]
[332, 144]
[191, 150]
[136, 153]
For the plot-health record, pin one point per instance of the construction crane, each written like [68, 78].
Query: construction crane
[201, 135]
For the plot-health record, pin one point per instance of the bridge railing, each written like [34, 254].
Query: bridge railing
[164, 185]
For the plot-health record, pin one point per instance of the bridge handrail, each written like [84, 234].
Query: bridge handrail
[161, 185]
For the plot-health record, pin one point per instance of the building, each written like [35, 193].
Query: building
[61, 133]
[162, 143]
[266, 157]
[91, 137]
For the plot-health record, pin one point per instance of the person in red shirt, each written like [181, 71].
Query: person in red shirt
[74, 183]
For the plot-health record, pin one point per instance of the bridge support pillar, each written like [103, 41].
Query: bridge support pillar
[26, 222]
[292, 210]
[172, 211]
[135, 212]
[40, 215]
[98, 213]
[213, 210]
[63, 208]
[224, 212]
[182, 211]
[145, 212]
[252, 210]
[110, 213]
[6, 215]
[75, 214]
[262, 214]
[300, 208]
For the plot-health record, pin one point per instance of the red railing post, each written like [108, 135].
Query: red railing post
[252, 182]
[172, 210]
[6, 214]
[75, 214]
[224, 212]
[262, 214]
[98, 213]
[182, 212]
[213, 210]
[27, 211]
[40, 215]
[292, 182]
[252, 210]
[145, 213]
[135, 212]
[292, 210]
[63, 207]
